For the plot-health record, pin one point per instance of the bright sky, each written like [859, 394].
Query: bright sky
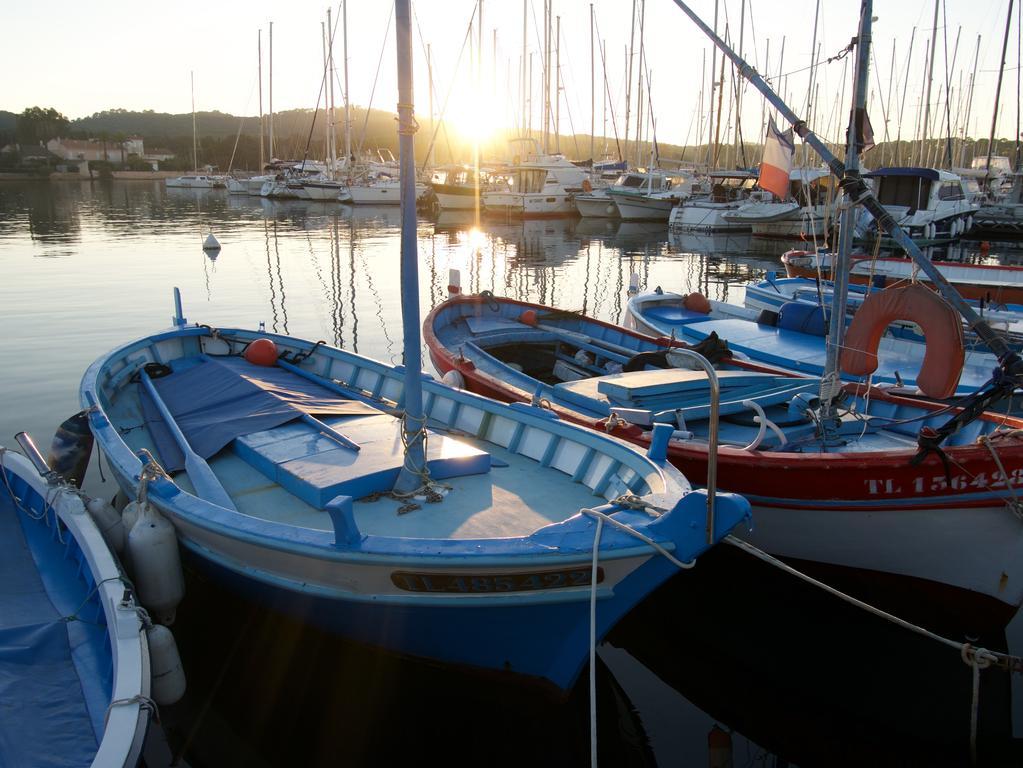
[84, 57]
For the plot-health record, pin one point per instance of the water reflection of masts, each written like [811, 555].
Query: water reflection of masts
[351, 284]
[270, 260]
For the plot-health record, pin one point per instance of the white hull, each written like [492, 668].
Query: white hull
[596, 207]
[449, 202]
[377, 194]
[890, 541]
[535, 205]
[324, 192]
[704, 216]
[196, 182]
[642, 208]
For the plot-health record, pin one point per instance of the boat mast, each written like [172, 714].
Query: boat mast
[557, 86]
[831, 383]
[195, 155]
[969, 103]
[902, 105]
[348, 101]
[526, 127]
[592, 92]
[326, 99]
[331, 125]
[271, 91]
[930, 77]
[413, 475]
[259, 50]
[998, 89]
[860, 192]
[628, 78]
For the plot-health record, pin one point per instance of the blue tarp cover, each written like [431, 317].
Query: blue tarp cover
[44, 720]
[220, 399]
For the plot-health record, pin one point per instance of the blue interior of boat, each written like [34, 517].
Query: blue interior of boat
[262, 409]
[56, 673]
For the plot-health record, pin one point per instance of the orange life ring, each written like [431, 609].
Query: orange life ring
[587, 187]
[944, 352]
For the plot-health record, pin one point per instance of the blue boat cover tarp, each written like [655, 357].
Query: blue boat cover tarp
[220, 399]
[44, 719]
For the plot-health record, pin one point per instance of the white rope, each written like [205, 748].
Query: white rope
[1015, 505]
[629, 501]
[144, 702]
[977, 659]
[593, 642]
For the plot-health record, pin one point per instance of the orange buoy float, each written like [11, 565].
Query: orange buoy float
[944, 350]
[261, 352]
[696, 302]
[529, 317]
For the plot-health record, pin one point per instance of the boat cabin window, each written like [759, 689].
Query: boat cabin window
[630, 180]
[950, 190]
[905, 191]
[814, 192]
[529, 180]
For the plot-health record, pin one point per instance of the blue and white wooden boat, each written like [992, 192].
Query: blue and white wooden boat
[496, 574]
[794, 341]
[388, 508]
[74, 662]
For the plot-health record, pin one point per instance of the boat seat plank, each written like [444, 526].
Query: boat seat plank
[316, 468]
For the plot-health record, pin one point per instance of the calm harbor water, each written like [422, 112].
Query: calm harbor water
[798, 677]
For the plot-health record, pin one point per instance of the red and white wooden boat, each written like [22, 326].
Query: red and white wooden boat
[942, 534]
[993, 284]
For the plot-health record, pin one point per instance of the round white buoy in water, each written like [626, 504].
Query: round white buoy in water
[168, 676]
[156, 564]
[633, 283]
[109, 523]
[454, 282]
[211, 243]
[453, 379]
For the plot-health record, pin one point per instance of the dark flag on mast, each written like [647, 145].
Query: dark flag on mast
[864, 132]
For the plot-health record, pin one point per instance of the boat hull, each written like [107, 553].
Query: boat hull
[703, 216]
[596, 207]
[530, 206]
[642, 208]
[874, 514]
[455, 197]
[55, 570]
[513, 600]
[998, 285]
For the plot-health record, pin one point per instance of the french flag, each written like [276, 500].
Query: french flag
[777, 162]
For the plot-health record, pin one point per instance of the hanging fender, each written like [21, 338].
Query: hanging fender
[944, 352]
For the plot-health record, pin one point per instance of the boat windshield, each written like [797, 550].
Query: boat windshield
[531, 180]
[903, 191]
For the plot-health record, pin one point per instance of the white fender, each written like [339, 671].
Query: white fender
[130, 516]
[109, 523]
[453, 379]
[168, 676]
[156, 564]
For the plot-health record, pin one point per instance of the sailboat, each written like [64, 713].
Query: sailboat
[913, 502]
[388, 507]
[196, 180]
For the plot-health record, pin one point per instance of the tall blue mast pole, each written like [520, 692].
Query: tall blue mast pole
[860, 194]
[413, 473]
[836, 327]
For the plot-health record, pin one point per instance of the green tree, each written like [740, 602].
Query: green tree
[36, 125]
